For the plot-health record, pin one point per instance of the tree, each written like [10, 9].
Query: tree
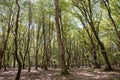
[45, 45]
[59, 39]
[6, 36]
[87, 11]
[16, 42]
[107, 5]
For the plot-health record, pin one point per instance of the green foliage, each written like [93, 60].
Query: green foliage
[74, 36]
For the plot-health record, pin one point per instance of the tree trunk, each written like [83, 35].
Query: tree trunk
[16, 43]
[45, 45]
[5, 40]
[29, 62]
[106, 2]
[59, 39]
[37, 48]
[29, 35]
[107, 63]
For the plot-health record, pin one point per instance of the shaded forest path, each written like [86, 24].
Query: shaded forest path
[54, 74]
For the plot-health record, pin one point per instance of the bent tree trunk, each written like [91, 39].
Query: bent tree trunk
[59, 39]
[94, 51]
[16, 42]
[102, 47]
[107, 5]
[107, 63]
[93, 45]
[104, 54]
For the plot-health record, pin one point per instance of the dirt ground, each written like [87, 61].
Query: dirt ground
[54, 74]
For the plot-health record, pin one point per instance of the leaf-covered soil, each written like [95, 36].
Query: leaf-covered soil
[54, 74]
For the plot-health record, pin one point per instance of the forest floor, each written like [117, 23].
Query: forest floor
[54, 74]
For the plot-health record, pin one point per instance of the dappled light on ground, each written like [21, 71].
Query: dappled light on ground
[54, 74]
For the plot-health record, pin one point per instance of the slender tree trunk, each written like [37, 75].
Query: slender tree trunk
[45, 45]
[36, 59]
[37, 48]
[49, 40]
[59, 39]
[5, 40]
[8, 57]
[24, 55]
[14, 61]
[1, 51]
[107, 5]
[29, 62]
[4, 62]
[29, 35]
[94, 51]
[27, 53]
[16, 43]
[68, 59]
[69, 55]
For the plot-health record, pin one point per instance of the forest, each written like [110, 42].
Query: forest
[59, 39]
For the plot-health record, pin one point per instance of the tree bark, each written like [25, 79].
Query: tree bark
[45, 45]
[16, 42]
[59, 39]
